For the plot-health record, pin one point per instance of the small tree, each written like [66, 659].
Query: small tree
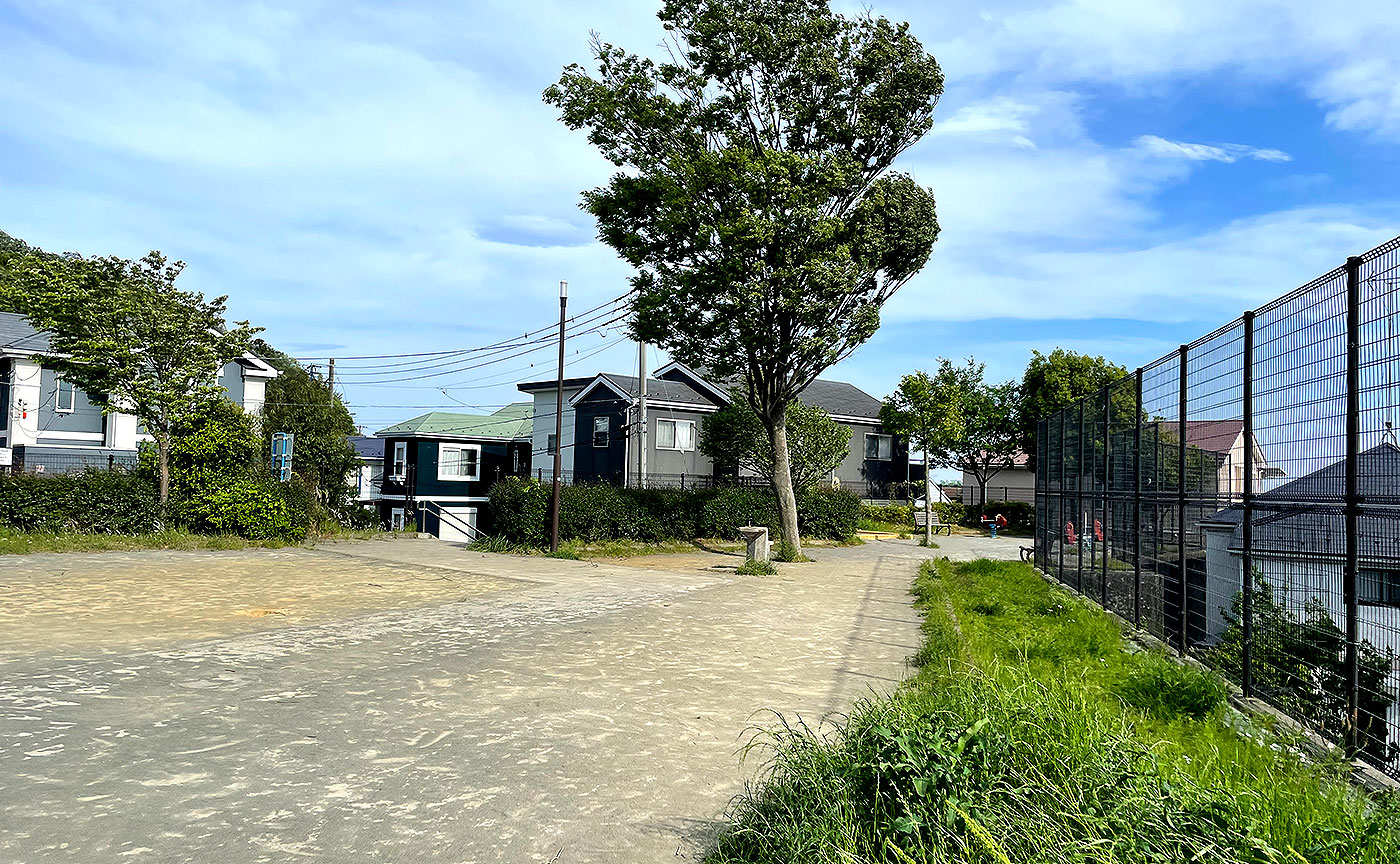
[755, 199]
[309, 409]
[927, 411]
[122, 332]
[990, 436]
[735, 439]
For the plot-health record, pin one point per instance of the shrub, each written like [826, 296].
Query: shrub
[757, 568]
[951, 513]
[258, 509]
[596, 513]
[1018, 514]
[890, 514]
[94, 502]
[1167, 690]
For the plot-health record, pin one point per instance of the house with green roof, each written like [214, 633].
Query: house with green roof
[438, 468]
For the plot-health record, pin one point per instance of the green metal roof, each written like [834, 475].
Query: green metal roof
[513, 421]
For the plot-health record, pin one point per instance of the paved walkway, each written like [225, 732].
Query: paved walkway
[489, 708]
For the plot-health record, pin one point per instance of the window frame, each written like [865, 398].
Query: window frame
[879, 436]
[58, 382]
[446, 446]
[398, 467]
[675, 436]
[606, 433]
[1388, 582]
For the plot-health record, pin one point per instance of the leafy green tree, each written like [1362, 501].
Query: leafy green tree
[134, 342]
[926, 410]
[755, 197]
[307, 407]
[991, 432]
[1057, 380]
[735, 439]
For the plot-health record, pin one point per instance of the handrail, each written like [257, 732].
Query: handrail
[444, 514]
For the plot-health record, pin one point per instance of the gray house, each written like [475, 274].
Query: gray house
[601, 432]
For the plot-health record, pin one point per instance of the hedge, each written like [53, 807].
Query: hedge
[594, 513]
[1018, 514]
[92, 502]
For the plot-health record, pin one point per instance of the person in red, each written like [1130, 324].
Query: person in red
[999, 522]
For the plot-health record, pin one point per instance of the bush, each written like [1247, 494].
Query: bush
[258, 509]
[889, 514]
[951, 513]
[1018, 514]
[596, 513]
[92, 502]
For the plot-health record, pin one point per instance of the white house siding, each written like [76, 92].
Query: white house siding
[26, 394]
[1019, 484]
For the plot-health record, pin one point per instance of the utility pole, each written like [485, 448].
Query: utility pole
[641, 415]
[330, 376]
[558, 423]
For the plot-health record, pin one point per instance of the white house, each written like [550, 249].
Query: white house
[42, 415]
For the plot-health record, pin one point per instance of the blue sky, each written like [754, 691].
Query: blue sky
[1112, 177]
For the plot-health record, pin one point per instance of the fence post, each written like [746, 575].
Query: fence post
[1060, 575]
[1350, 575]
[1137, 500]
[1180, 594]
[1107, 523]
[1079, 500]
[1247, 526]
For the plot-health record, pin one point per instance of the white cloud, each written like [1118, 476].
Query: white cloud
[1155, 146]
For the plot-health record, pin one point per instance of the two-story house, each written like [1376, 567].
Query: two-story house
[438, 468]
[47, 424]
[601, 432]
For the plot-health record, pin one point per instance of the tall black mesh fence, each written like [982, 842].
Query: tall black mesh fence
[1240, 500]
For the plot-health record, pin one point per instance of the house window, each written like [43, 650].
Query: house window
[880, 447]
[1379, 587]
[600, 432]
[65, 396]
[675, 435]
[551, 443]
[400, 459]
[396, 519]
[459, 462]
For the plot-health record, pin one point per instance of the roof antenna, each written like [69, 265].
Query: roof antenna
[1388, 436]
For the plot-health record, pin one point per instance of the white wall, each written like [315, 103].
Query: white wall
[25, 395]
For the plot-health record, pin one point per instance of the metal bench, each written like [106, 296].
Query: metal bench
[921, 519]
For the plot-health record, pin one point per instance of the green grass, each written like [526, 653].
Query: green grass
[25, 542]
[757, 568]
[1033, 733]
[578, 550]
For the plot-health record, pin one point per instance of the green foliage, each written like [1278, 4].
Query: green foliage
[756, 568]
[317, 417]
[992, 755]
[123, 333]
[595, 513]
[1299, 665]
[94, 502]
[1060, 379]
[220, 484]
[754, 196]
[950, 513]
[1020, 515]
[787, 553]
[1166, 689]
[735, 438]
[927, 410]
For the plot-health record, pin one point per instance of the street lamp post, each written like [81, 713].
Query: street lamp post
[558, 423]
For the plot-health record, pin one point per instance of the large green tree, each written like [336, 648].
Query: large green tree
[927, 411]
[306, 406]
[991, 432]
[735, 439]
[755, 197]
[129, 338]
[1057, 380]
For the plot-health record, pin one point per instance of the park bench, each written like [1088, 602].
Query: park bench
[921, 518]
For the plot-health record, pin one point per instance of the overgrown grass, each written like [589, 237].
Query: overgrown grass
[757, 568]
[28, 542]
[1031, 734]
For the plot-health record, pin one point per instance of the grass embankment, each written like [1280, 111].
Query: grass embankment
[1033, 733]
[25, 542]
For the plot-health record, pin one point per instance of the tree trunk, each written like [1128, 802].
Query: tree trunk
[982, 493]
[163, 454]
[782, 481]
[928, 502]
